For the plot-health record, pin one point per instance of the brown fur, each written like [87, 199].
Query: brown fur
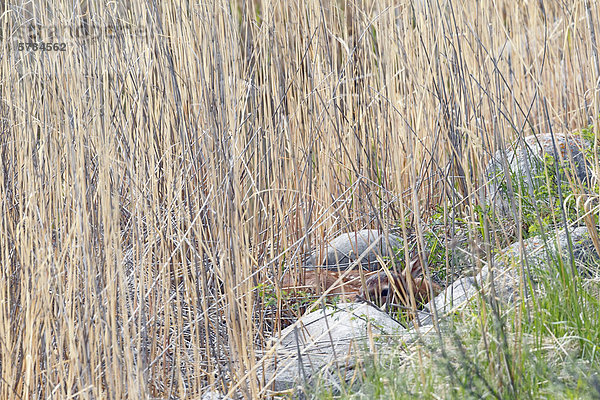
[378, 289]
[377, 286]
[317, 281]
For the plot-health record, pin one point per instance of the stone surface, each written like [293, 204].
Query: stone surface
[541, 259]
[424, 319]
[325, 342]
[349, 247]
[212, 395]
[459, 292]
[525, 164]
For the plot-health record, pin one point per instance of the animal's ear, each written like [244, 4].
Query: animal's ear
[417, 260]
[398, 283]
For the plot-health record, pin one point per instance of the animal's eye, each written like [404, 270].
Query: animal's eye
[384, 292]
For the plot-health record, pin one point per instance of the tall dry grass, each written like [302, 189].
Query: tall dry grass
[153, 176]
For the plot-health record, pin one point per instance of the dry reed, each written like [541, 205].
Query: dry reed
[179, 155]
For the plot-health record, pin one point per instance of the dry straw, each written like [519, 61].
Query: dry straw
[159, 172]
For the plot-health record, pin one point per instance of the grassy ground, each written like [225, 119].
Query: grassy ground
[176, 157]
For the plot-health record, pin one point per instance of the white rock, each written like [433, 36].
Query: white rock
[325, 343]
[508, 266]
[349, 247]
[525, 164]
[541, 258]
[458, 293]
[211, 395]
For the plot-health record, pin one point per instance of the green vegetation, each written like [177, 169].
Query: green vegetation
[544, 210]
[555, 189]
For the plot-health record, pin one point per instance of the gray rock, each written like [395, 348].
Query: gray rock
[347, 248]
[525, 166]
[459, 292]
[324, 344]
[541, 258]
[423, 320]
[212, 395]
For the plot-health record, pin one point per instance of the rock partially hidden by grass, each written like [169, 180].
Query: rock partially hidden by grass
[367, 245]
[528, 164]
[536, 259]
[324, 344]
